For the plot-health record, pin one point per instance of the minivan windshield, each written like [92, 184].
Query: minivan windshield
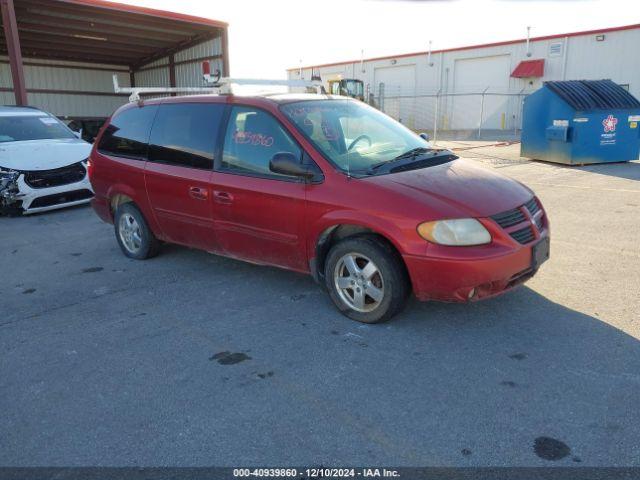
[17, 128]
[352, 135]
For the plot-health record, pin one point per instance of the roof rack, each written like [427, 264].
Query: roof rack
[216, 85]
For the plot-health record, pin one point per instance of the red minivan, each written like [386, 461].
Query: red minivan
[318, 184]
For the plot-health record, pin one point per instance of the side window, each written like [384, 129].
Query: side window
[253, 137]
[185, 134]
[128, 133]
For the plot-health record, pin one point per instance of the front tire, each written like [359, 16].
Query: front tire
[366, 279]
[133, 233]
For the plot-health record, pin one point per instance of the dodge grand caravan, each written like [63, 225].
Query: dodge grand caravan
[317, 184]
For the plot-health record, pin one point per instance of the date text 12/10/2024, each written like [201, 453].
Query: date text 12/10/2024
[315, 473]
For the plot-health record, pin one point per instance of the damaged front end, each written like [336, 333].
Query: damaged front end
[10, 203]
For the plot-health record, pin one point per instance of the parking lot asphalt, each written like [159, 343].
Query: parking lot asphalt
[192, 359]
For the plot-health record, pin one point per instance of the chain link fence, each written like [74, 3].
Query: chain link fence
[482, 114]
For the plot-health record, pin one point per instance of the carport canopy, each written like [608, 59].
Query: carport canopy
[98, 31]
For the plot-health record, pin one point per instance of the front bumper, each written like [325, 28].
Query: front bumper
[36, 200]
[472, 276]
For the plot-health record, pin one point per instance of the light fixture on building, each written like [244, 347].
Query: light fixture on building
[429, 62]
[600, 38]
[394, 61]
[89, 37]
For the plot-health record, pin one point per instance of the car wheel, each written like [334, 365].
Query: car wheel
[366, 279]
[133, 233]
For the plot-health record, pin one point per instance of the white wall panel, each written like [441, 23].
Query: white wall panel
[155, 77]
[71, 78]
[205, 49]
[475, 69]
[77, 105]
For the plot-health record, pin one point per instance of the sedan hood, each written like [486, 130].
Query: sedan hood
[34, 155]
[459, 188]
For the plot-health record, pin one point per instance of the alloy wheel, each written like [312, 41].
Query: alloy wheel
[359, 282]
[130, 233]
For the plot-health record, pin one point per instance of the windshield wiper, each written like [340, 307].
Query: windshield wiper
[410, 156]
[414, 152]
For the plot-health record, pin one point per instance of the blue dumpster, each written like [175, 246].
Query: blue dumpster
[581, 121]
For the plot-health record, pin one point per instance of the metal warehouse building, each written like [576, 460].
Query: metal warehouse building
[60, 55]
[480, 89]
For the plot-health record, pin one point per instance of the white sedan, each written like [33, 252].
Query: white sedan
[43, 164]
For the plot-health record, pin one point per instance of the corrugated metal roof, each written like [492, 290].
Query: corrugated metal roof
[99, 31]
[593, 94]
[152, 12]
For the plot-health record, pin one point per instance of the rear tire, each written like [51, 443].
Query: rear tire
[133, 233]
[366, 279]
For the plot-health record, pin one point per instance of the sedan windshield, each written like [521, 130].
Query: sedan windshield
[17, 128]
[352, 135]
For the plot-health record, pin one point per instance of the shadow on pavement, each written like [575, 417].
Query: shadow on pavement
[628, 170]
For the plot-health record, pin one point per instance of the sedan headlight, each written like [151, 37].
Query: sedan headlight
[458, 232]
[6, 173]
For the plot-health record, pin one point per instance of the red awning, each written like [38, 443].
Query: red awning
[529, 68]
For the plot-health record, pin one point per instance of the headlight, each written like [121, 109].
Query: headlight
[458, 232]
[7, 173]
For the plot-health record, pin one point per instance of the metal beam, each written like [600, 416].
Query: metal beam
[86, 44]
[51, 91]
[182, 62]
[28, 63]
[42, 52]
[175, 49]
[101, 15]
[77, 33]
[29, 47]
[147, 12]
[27, 16]
[224, 42]
[172, 72]
[13, 49]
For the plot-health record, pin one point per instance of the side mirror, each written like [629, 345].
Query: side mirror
[286, 163]
[424, 136]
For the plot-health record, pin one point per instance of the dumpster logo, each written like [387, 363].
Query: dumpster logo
[609, 124]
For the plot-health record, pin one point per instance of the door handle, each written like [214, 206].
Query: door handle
[198, 193]
[223, 197]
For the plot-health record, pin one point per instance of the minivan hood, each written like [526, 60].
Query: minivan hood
[33, 155]
[459, 188]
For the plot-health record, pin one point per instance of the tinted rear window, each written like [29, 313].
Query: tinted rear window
[185, 134]
[128, 133]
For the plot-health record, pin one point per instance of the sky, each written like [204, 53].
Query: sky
[268, 36]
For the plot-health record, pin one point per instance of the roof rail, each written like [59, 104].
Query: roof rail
[216, 85]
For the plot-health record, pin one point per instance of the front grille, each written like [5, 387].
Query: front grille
[524, 235]
[532, 206]
[509, 218]
[514, 217]
[55, 178]
[539, 223]
[61, 198]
